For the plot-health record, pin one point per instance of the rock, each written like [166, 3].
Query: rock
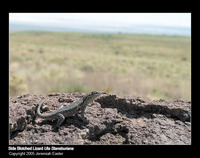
[111, 120]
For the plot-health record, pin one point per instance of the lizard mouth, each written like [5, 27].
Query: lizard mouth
[99, 93]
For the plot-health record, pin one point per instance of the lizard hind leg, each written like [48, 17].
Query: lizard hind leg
[60, 118]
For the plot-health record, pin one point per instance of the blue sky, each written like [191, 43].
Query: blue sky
[107, 21]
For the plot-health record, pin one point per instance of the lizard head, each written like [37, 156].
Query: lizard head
[91, 96]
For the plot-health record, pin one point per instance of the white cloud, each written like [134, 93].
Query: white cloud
[106, 19]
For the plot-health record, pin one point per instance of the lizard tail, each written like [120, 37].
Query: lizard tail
[38, 110]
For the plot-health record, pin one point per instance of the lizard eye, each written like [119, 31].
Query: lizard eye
[78, 108]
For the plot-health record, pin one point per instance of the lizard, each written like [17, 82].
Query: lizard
[69, 110]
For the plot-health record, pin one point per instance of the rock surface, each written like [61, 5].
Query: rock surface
[111, 120]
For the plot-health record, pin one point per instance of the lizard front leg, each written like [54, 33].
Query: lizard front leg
[83, 117]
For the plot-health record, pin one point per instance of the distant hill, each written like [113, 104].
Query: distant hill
[136, 29]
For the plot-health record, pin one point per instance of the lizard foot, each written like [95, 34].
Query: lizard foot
[85, 120]
[55, 129]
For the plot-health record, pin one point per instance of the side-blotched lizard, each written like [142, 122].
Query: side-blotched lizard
[70, 110]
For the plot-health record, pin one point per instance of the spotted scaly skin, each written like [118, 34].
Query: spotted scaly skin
[70, 110]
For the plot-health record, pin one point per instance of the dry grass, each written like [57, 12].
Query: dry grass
[141, 65]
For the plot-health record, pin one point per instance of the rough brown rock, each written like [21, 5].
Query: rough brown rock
[112, 120]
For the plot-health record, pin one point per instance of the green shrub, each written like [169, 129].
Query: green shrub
[74, 87]
[87, 68]
[16, 85]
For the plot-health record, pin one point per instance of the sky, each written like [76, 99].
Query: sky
[104, 21]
